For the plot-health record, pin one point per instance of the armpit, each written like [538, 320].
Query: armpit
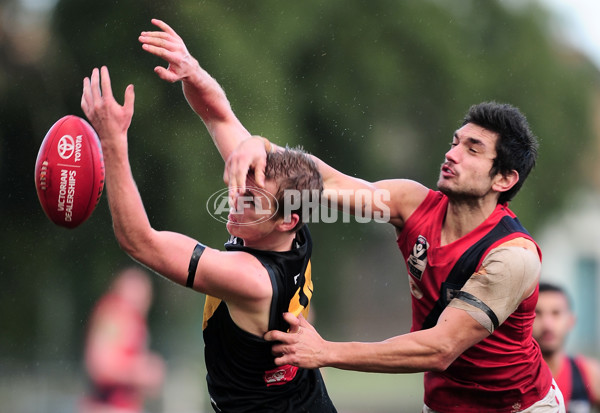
[494, 292]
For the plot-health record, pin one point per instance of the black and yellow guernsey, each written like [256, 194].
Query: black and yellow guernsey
[242, 375]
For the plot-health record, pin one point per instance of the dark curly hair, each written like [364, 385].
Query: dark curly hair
[516, 148]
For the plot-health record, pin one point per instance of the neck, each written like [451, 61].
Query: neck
[463, 216]
[554, 361]
[280, 243]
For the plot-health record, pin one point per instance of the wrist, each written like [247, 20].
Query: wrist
[326, 356]
[114, 147]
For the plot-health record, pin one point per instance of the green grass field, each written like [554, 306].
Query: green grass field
[354, 392]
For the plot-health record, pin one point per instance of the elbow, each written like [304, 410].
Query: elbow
[442, 359]
[440, 364]
[133, 243]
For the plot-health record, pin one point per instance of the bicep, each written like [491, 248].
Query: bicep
[390, 200]
[231, 276]
[507, 276]
[235, 276]
[458, 331]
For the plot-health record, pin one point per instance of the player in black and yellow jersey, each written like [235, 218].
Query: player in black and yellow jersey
[241, 370]
[266, 268]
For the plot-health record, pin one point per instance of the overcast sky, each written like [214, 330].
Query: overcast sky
[581, 20]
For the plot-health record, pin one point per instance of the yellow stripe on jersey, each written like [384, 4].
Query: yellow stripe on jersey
[295, 306]
[211, 303]
[210, 306]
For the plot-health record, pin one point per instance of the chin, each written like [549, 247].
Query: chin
[449, 192]
[232, 228]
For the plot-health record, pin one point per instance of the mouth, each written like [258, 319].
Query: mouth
[447, 171]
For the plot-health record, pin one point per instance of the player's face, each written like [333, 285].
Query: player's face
[251, 219]
[466, 170]
[553, 321]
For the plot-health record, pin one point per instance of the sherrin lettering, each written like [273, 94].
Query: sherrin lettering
[69, 172]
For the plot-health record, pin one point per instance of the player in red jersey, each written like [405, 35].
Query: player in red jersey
[473, 273]
[266, 269]
[121, 368]
[578, 377]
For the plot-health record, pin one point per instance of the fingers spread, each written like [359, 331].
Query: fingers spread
[129, 98]
[85, 96]
[95, 85]
[259, 173]
[105, 83]
[163, 26]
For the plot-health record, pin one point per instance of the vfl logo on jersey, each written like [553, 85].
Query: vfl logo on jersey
[418, 258]
[280, 375]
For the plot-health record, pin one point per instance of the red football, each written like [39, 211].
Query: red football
[69, 171]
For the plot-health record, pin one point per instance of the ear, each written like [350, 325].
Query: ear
[572, 320]
[288, 223]
[503, 183]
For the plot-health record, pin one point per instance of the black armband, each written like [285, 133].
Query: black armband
[476, 302]
[198, 250]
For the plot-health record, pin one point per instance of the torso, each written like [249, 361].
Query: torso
[496, 374]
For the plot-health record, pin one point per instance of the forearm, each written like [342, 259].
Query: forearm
[130, 221]
[402, 354]
[206, 97]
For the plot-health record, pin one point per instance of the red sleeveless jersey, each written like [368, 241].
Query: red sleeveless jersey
[502, 373]
[574, 384]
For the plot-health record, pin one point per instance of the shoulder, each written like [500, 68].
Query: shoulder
[517, 257]
[520, 243]
[516, 264]
[590, 368]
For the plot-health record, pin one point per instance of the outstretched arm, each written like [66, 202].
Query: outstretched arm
[167, 253]
[433, 349]
[203, 93]
[508, 275]
[390, 201]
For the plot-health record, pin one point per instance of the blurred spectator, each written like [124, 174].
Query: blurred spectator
[121, 369]
[578, 377]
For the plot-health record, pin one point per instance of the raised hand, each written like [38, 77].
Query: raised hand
[250, 154]
[109, 118]
[167, 45]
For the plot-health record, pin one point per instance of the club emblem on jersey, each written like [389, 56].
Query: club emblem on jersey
[418, 258]
[414, 289]
[280, 375]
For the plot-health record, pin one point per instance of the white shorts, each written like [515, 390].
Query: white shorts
[553, 402]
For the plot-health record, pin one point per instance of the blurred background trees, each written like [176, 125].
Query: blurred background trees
[375, 88]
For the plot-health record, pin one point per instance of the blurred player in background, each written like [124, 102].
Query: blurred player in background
[266, 269]
[578, 377]
[122, 370]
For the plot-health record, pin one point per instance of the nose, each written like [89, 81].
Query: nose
[453, 154]
[547, 322]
